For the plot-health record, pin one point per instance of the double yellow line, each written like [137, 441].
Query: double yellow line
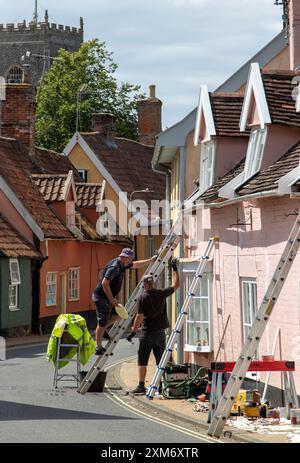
[117, 400]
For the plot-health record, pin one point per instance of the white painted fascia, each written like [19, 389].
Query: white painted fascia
[27, 217]
[285, 183]
[102, 191]
[204, 107]
[97, 163]
[228, 190]
[68, 185]
[255, 85]
[71, 144]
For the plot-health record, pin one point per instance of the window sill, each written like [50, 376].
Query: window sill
[199, 349]
[74, 300]
[11, 309]
[51, 306]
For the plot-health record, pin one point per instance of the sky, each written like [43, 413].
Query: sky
[177, 45]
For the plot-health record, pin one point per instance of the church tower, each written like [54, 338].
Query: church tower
[40, 39]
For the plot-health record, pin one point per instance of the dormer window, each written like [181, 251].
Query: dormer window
[207, 165]
[255, 152]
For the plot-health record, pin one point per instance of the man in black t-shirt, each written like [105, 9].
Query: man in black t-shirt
[152, 315]
[107, 290]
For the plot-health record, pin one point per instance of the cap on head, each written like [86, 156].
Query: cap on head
[126, 252]
[148, 279]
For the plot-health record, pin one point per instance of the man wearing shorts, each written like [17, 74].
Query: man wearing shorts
[152, 315]
[104, 295]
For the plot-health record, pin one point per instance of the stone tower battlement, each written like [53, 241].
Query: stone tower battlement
[43, 39]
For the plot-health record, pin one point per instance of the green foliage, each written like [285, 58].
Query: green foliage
[90, 70]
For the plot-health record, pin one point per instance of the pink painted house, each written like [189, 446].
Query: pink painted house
[246, 150]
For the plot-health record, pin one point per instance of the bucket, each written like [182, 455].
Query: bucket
[283, 412]
[98, 384]
[295, 416]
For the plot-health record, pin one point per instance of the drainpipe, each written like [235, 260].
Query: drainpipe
[168, 272]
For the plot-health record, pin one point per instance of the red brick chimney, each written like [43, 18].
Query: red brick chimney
[149, 111]
[294, 33]
[18, 112]
[105, 124]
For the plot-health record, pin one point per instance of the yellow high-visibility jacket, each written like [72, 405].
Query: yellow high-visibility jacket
[76, 331]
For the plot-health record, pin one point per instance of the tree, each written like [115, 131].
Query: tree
[90, 71]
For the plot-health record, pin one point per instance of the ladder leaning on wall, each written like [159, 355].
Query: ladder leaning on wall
[164, 254]
[252, 342]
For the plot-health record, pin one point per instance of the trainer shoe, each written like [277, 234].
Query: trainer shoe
[139, 390]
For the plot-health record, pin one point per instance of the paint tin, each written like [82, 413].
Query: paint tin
[295, 416]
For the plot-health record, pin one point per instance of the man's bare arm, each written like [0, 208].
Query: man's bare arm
[107, 290]
[143, 263]
[137, 322]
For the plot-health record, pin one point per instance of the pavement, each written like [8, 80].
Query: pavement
[126, 375]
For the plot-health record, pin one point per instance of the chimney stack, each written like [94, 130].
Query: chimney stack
[149, 114]
[18, 112]
[105, 124]
[294, 33]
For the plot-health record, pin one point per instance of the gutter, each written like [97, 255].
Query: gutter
[263, 194]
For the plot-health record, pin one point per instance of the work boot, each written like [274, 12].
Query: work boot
[139, 390]
[101, 351]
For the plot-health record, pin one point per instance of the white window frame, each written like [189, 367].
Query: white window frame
[14, 307]
[207, 169]
[190, 269]
[15, 277]
[73, 276]
[49, 284]
[255, 152]
[84, 174]
[251, 282]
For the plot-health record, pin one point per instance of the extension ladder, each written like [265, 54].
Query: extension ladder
[164, 254]
[251, 344]
[180, 321]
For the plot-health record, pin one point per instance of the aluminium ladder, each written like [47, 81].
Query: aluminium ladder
[180, 320]
[164, 254]
[251, 344]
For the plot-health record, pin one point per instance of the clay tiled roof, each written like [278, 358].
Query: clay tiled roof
[49, 162]
[280, 88]
[129, 164]
[268, 178]
[51, 186]
[12, 244]
[227, 108]
[88, 194]
[16, 168]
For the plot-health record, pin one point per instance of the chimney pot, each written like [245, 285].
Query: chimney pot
[149, 115]
[105, 124]
[152, 91]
